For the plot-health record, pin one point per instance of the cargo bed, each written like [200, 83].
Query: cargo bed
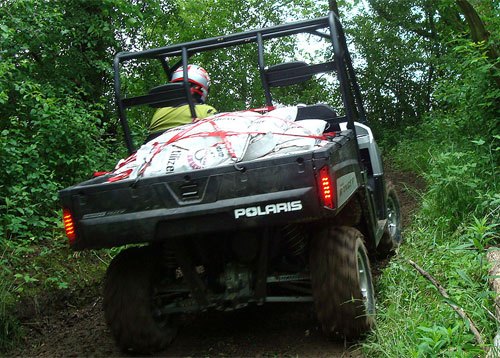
[264, 192]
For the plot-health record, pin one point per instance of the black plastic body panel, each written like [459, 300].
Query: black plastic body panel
[204, 201]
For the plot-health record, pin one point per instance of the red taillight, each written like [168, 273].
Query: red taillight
[69, 225]
[327, 191]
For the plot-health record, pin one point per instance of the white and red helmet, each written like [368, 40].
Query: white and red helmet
[198, 77]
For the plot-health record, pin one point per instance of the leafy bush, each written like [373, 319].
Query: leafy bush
[456, 150]
[457, 147]
[57, 144]
[458, 183]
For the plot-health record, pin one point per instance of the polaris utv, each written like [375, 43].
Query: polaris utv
[293, 228]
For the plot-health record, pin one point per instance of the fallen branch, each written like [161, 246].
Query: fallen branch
[457, 309]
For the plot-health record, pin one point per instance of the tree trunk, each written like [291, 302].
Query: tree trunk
[332, 6]
[478, 32]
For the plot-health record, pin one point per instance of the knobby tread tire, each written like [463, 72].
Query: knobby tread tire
[339, 303]
[390, 242]
[128, 301]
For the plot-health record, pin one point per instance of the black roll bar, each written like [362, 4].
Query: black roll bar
[265, 83]
[327, 27]
[187, 86]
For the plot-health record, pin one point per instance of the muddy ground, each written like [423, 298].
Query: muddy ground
[74, 326]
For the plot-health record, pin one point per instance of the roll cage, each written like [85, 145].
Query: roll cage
[173, 94]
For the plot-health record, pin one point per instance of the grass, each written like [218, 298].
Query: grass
[414, 320]
[9, 327]
[45, 272]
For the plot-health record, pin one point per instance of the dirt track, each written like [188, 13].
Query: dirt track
[271, 330]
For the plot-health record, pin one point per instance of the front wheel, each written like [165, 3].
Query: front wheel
[342, 282]
[392, 238]
[131, 307]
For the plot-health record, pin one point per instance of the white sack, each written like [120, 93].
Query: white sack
[222, 139]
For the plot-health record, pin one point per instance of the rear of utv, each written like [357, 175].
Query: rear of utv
[294, 226]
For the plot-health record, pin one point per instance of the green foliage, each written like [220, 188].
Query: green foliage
[454, 146]
[53, 117]
[413, 319]
[54, 109]
[435, 339]
[394, 53]
[482, 234]
[458, 183]
[428, 90]
[41, 153]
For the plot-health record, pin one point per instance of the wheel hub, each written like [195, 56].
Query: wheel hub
[364, 285]
[392, 218]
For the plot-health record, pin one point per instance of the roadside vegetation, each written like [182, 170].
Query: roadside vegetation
[455, 149]
[430, 77]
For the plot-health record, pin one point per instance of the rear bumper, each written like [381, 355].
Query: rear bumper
[297, 205]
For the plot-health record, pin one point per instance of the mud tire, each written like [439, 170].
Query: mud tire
[392, 238]
[337, 257]
[129, 302]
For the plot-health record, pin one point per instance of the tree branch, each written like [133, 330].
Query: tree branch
[332, 6]
[476, 25]
[456, 308]
[388, 17]
[478, 31]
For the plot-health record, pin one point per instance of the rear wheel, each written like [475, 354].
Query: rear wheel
[391, 239]
[131, 309]
[342, 282]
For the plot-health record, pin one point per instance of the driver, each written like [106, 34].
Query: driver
[169, 117]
